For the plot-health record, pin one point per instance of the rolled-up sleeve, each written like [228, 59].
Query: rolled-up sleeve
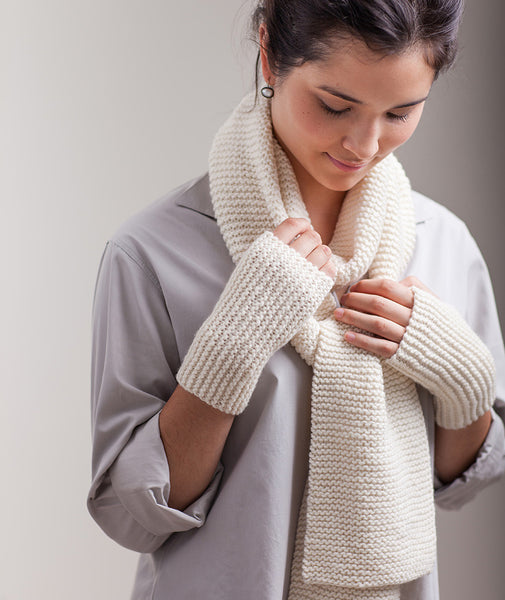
[488, 467]
[134, 359]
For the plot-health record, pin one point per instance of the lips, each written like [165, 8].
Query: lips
[346, 166]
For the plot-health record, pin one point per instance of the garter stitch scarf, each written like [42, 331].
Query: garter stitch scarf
[366, 524]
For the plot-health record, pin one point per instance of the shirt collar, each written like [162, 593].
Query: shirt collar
[195, 195]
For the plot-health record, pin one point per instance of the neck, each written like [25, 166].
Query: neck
[323, 206]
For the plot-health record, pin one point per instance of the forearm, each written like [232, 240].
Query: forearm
[457, 449]
[193, 435]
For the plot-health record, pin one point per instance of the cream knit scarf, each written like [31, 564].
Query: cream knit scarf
[366, 524]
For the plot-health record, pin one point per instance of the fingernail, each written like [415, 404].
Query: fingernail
[339, 313]
[350, 336]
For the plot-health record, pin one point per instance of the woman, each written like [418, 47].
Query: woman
[276, 390]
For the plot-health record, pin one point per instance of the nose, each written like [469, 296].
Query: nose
[362, 140]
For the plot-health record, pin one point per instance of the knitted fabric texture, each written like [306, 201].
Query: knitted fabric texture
[366, 523]
[269, 295]
[443, 354]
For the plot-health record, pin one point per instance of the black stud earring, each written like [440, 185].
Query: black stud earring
[267, 91]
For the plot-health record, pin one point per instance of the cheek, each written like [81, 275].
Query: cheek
[311, 127]
[401, 134]
[398, 135]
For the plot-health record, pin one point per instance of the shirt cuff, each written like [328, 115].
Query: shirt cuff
[487, 467]
[140, 480]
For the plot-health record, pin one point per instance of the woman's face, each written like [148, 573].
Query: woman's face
[339, 117]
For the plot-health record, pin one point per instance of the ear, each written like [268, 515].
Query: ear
[268, 76]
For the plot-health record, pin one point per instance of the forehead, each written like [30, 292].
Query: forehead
[369, 76]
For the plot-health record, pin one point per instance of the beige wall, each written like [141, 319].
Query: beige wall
[104, 106]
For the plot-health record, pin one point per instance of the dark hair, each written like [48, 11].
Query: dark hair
[301, 31]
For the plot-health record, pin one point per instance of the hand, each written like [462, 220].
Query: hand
[382, 309]
[299, 234]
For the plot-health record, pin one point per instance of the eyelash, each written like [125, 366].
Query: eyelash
[401, 118]
[339, 113]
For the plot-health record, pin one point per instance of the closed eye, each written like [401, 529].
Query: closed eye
[401, 118]
[332, 111]
[338, 113]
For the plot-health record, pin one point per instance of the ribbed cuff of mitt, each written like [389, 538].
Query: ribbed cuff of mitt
[269, 295]
[442, 353]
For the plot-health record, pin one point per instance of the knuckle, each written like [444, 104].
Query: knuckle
[314, 236]
[378, 304]
[380, 326]
[386, 349]
[291, 222]
[411, 280]
[387, 285]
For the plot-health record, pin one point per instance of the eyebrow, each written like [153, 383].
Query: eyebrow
[343, 96]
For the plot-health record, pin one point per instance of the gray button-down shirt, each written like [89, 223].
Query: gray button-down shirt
[159, 278]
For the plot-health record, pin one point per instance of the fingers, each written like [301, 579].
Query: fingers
[378, 326]
[378, 346]
[320, 257]
[299, 234]
[381, 309]
[382, 336]
[291, 228]
[386, 288]
[378, 306]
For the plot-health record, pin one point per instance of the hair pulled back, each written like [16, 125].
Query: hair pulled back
[301, 31]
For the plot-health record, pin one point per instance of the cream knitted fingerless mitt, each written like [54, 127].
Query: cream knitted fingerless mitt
[270, 294]
[443, 354]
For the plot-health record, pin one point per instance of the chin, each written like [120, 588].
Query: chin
[344, 184]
